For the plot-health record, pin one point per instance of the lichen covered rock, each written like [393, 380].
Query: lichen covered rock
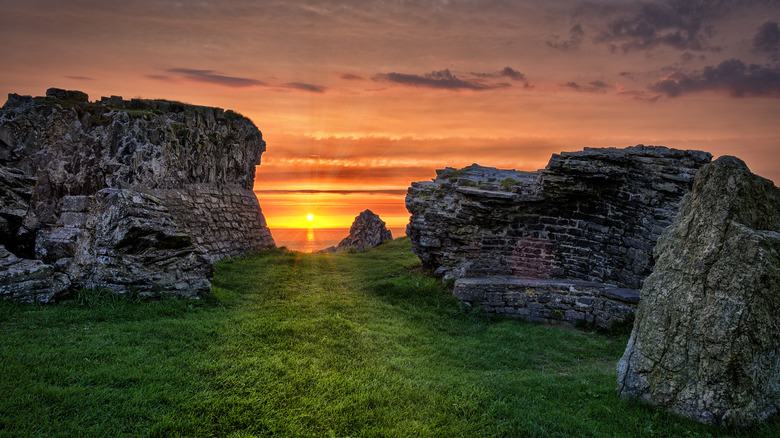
[705, 344]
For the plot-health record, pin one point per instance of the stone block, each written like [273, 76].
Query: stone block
[56, 243]
[73, 219]
[78, 204]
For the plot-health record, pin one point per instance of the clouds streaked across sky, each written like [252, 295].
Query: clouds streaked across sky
[358, 98]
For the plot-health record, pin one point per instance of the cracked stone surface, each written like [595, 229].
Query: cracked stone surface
[705, 343]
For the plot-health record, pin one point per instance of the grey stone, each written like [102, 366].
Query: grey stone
[71, 96]
[57, 243]
[585, 217]
[77, 204]
[136, 245]
[547, 301]
[29, 280]
[16, 190]
[705, 341]
[190, 170]
[73, 219]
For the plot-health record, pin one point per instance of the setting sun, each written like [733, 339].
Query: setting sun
[310, 217]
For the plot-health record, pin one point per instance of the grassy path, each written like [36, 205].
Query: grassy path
[312, 345]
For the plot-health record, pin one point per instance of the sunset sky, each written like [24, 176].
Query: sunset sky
[356, 99]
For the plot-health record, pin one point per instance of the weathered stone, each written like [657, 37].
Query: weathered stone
[592, 216]
[56, 243]
[367, 231]
[73, 96]
[15, 192]
[29, 280]
[135, 245]
[546, 300]
[62, 150]
[705, 344]
[76, 204]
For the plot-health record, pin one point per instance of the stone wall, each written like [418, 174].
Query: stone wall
[591, 216]
[193, 165]
[549, 300]
[224, 221]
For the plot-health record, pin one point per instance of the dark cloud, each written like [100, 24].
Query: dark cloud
[211, 77]
[643, 96]
[731, 76]
[160, 78]
[767, 37]
[512, 74]
[676, 23]
[573, 43]
[590, 87]
[440, 79]
[305, 87]
[447, 80]
[352, 77]
[80, 78]
[507, 72]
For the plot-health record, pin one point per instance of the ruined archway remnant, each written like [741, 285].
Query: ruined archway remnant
[569, 242]
[705, 343]
[139, 195]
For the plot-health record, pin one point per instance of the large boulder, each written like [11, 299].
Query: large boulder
[705, 343]
[367, 231]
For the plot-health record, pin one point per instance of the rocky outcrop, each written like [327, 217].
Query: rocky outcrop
[178, 179]
[367, 231]
[590, 216]
[705, 343]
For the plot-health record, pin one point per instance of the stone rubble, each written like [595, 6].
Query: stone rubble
[705, 343]
[178, 179]
[590, 216]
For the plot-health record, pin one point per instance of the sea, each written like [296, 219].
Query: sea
[315, 239]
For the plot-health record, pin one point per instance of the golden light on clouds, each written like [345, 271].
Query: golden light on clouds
[356, 100]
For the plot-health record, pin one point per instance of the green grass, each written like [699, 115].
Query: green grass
[291, 344]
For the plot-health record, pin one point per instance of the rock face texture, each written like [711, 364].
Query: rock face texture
[591, 216]
[139, 194]
[367, 231]
[705, 343]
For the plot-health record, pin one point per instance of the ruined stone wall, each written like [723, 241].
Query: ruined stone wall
[224, 221]
[192, 165]
[592, 215]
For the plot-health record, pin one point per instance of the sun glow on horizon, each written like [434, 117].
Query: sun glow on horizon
[310, 217]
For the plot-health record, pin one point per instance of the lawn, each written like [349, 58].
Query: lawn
[312, 345]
